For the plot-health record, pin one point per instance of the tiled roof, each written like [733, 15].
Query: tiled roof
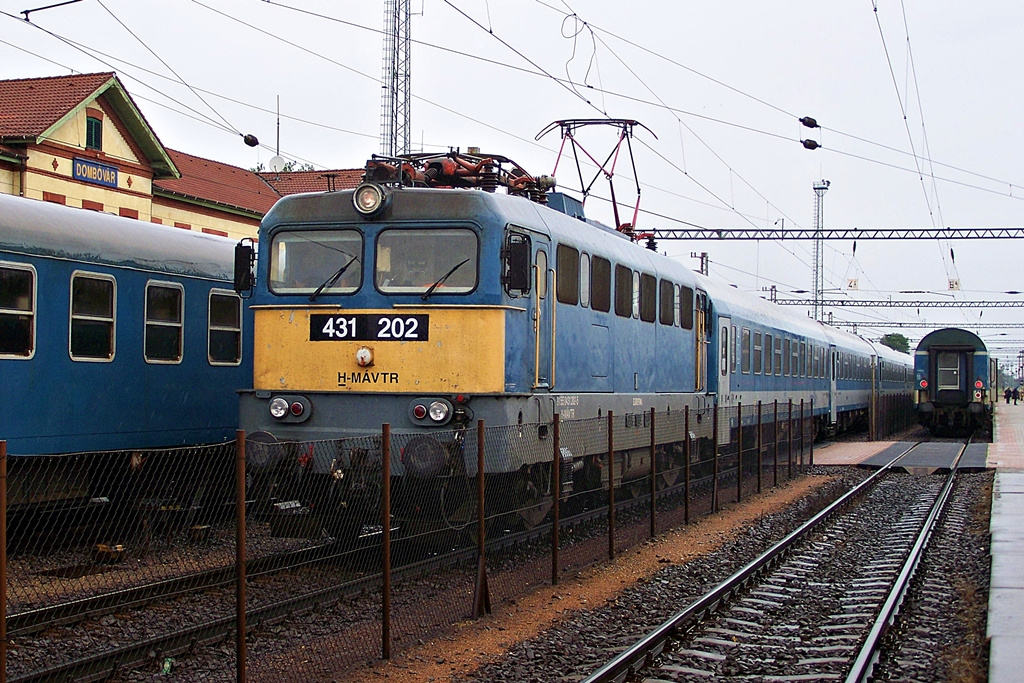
[220, 183]
[29, 106]
[294, 182]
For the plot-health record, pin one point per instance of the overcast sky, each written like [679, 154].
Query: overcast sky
[720, 85]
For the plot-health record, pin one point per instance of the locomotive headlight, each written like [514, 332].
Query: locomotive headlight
[438, 411]
[279, 408]
[977, 395]
[370, 199]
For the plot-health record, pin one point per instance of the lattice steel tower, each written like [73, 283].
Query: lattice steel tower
[820, 188]
[396, 94]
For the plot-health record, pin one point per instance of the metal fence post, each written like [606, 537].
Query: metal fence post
[714, 463]
[556, 492]
[739, 452]
[775, 437]
[789, 440]
[611, 485]
[686, 467]
[385, 631]
[240, 628]
[760, 438]
[654, 480]
[481, 593]
[803, 435]
[814, 432]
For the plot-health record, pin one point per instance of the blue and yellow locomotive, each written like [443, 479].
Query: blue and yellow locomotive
[427, 300]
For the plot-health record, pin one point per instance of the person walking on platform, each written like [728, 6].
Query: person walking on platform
[1016, 395]
[1007, 394]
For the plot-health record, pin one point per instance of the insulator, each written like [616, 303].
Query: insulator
[809, 121]
[488, 179]
[810, 144]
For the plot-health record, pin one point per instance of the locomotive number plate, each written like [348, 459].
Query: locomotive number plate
[368, 327]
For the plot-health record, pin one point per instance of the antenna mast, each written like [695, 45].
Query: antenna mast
[396, 94]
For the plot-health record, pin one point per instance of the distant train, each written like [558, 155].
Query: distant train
[115, 335]
[429, 307]
[955, 382]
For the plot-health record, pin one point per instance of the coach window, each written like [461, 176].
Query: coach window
[567, 263]
[93, 302]
[778, 355]
[17, 310]
[648, 298]
[636, 294]
[601, 284]
[745, 352]
[795, 366]
[725, 351]
[787, 357]
[686, 307]
[803, 359]
[584, 280]
[224, 345]
[164, 322]
[767, 354]
[757, 352]
[734, 356]
[666, 302]
[623, 291]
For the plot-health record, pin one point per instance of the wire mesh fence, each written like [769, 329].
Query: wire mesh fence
[353, 549]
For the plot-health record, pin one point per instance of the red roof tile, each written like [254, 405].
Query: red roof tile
[29, 106]
[294, 182]
[219, 183]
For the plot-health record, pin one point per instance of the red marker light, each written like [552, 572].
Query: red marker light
[924, 384]
[978, 384]
[419, 411]
[296, 408]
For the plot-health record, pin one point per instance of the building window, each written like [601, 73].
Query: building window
[17, 310]
[225, 328]
[128, 213]
[567, 261]
[93, 133]
[212, 231]
[183, 226]
[164, 322]
[91, 205]
[93, 299]
[54, 198]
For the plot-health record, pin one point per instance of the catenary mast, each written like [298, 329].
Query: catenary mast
[396, 93]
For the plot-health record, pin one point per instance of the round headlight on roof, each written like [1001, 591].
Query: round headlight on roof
[370, 199]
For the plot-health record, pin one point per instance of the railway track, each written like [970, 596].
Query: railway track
[816, 606]
[190, 638]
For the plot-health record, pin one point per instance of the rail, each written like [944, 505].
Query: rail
[642, 653]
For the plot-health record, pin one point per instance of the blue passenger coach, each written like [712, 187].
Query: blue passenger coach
[115, 334]
[952, 376]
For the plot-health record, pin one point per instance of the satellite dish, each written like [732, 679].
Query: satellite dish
[276, 163]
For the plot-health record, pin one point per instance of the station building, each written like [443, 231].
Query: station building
[81, 141]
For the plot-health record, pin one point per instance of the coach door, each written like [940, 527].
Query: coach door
[702, 337]
[543, 315]
[833, 371]
[722, 357]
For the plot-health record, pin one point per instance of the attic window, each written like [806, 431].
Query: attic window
[93, 133]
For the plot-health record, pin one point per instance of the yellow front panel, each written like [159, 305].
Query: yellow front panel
[464, 353]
